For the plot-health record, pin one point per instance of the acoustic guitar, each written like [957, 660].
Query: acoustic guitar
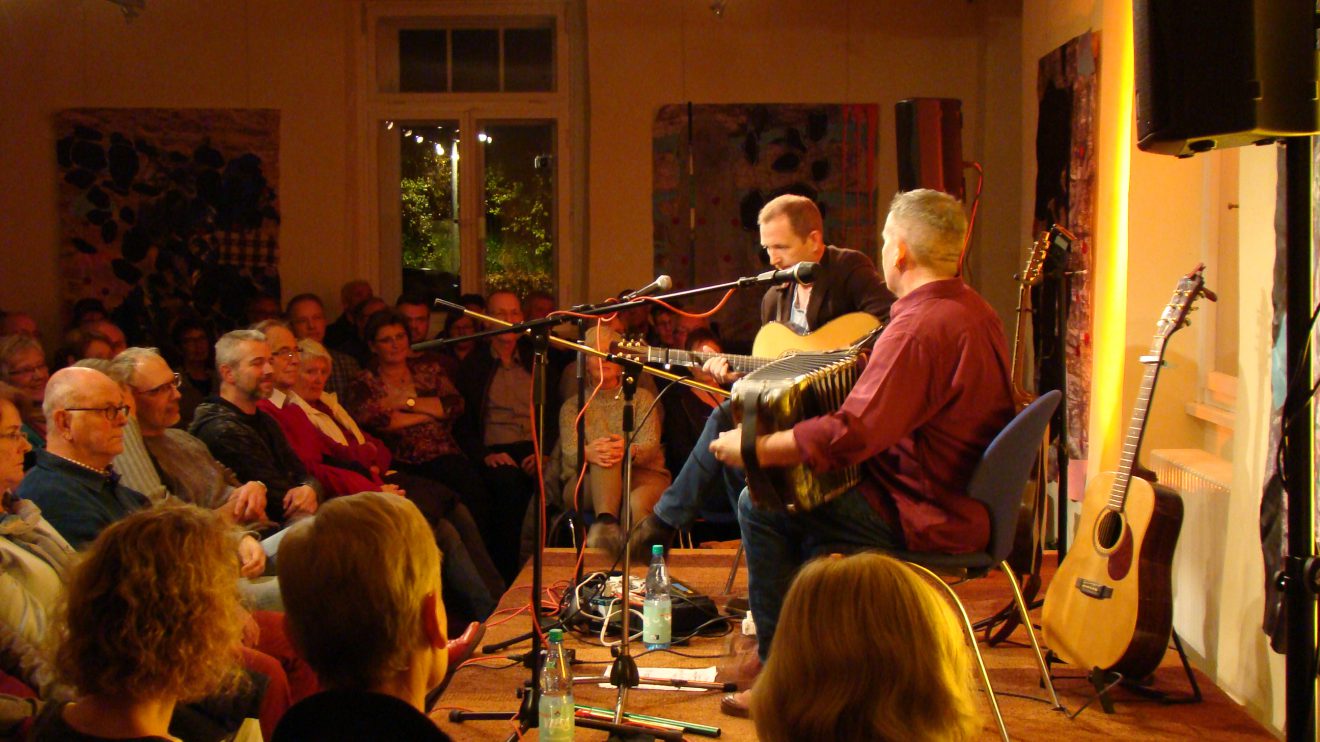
[1110, 605]
[773, 341]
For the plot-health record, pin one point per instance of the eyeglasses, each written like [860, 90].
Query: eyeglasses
[28, 370]
[14, 436]
[160, 389]
[111, 413]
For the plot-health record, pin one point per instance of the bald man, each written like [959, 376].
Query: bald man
[72, 481]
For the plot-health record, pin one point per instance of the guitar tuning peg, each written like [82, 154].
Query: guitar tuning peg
[1187, 323]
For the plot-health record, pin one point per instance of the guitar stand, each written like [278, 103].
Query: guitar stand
[1104, 681]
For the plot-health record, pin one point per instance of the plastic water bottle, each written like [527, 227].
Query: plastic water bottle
[657, 612]
[556, 705]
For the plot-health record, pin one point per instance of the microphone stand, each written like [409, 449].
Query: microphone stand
[623, 673]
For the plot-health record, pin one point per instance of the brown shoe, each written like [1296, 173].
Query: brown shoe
[647, 533]
[737, 704]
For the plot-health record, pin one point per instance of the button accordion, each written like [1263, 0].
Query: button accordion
[777, 396]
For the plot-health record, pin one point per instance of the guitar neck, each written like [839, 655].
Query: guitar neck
[1137, 427]
[672, 357]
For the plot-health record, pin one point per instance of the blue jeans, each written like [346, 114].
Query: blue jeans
[681, 502]
[777, 544]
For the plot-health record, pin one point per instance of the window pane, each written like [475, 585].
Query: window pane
[520, 205]
[422, 66]
[476, 60]
[529, 63]
[428, 186]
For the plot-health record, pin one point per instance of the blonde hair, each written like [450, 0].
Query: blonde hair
[153, 610]
[865, 650]
[803, 214]
[354, 579]
[934, 226]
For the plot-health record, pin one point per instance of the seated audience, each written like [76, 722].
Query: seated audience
[146, 628]
[602, 485]
[88, 310]
[458, 325]
[133, 464]
[436, 501]
[194, 352]
[866, 650]
[23, 365]
[358, 345]
[19, 323]
[249, 443]
[335, 467]
[72, 481]
[662, 327]
[538, 305]
[378, 654]
[410, 404]
[306, 317]
[343, 329]
[110, 331]
[260, 308]
[80, 343]
[495, 428]
[417, 311]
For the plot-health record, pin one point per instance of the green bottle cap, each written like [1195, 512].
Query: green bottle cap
[657, 549]
[556, 636]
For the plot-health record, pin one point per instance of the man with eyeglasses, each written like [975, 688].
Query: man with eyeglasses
[250, 443]
[73, 482]
[185, 464]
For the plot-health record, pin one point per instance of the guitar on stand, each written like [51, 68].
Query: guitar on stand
[1028, 542]
[1109, 608]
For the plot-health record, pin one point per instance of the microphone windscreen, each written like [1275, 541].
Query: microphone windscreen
[664, 283]
[805, 272]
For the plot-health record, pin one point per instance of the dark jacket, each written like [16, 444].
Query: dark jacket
[254, 448]
[77, 501]
[846, 281]
[475, 374]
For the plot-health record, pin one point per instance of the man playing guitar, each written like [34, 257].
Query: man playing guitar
[845, 281]
[932, 396]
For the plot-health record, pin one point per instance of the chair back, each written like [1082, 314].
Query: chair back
[1004, 468]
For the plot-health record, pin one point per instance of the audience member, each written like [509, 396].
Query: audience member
[110, 331]
[458, 325]
[662, 327]
[133, 464]
[475, 302]
[18, 323]
[195, 346]
[248, 442]
[436, 501]
[495, 428]
[410, 404]
[602, 485]
[88, 310]
[306, 317]
[843, 665]
[538, 305]
[35, 560]
[72, 481]
[260, 308]
[685, 324]
[23, 365]
[343, 329]
[146, 628]
[80, 343]
[186, 467]
[378, 653]
[417, 311]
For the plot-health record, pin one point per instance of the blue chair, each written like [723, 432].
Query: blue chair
[997, 482]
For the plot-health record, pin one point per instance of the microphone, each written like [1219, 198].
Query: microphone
[804, 273]
[659, 285]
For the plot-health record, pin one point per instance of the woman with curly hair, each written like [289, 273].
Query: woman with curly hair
[866, 650]
[152, 618]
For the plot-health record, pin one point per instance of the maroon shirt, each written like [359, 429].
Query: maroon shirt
[933, 395]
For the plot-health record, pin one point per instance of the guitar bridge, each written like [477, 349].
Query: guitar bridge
[1094, 589]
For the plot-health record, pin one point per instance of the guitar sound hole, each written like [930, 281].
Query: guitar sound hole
[1108, 530]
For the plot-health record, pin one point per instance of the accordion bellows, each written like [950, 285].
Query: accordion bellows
[776, 397]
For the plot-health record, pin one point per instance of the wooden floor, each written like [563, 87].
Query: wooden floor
[485, 687]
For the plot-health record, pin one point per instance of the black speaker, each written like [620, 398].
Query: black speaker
[930, 144]
[1223, 74]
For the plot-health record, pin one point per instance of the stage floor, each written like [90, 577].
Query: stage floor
[486, 687]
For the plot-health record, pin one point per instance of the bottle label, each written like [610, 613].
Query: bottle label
[657, 622]
[556, 718]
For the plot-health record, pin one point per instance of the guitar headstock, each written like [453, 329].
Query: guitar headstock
[1190, 288]
[631, 346]
[1055, 236]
